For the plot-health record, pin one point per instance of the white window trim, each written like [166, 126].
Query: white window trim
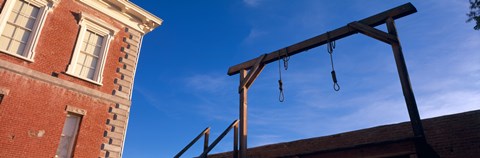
[99, 27]
[45, 7]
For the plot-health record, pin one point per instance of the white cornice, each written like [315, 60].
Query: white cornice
[127, 13]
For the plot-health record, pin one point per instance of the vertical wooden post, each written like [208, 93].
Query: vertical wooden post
[421, 145]
[205, 143]
[243, 115]
[235, 141]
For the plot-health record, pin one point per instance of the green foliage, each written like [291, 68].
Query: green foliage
[474, 13]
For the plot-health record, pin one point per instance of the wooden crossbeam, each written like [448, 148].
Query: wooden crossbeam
[372, 21]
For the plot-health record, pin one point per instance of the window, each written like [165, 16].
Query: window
[69, 136]
[20, 25]
[89, 56]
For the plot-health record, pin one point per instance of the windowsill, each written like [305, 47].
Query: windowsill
[85, 79]
[16, 56]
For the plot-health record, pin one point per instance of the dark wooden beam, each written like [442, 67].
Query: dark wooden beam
[374, 33]
[372, 21]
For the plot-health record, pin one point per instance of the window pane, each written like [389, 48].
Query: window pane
[30, 23]
[16, 47]
[93, 63]
[84, 47]
[84, 72]
[8, 31]
[21, 21]
[21, 35]
[13, 17]
[95, 40]
[89, 49]
[89, 55]
[91, 73]
[78, 69]
[81, 58]
[4, 42]
[31, 11]
[88, 61]
[17, 6]
[97, 51]
[21, 49]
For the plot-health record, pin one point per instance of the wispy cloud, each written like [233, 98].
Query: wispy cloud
[252, 3]
[254, 35]
[207, 83]
[212, 96]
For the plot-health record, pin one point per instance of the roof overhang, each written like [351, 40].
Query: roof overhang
[127, 13]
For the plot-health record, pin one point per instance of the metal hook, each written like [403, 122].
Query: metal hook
[285, 59]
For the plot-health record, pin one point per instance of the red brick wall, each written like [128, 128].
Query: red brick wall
[32, 106]
[57, 42]
[453, 136]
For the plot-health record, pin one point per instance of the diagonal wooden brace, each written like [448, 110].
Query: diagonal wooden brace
[253, 73]
[374, 33]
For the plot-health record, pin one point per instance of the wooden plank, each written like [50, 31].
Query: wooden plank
[205, 133]
[253, 73]
[243, 117]
[374, 33]
[372, 21]
[421, 145]
[219, 138]
[235, 141]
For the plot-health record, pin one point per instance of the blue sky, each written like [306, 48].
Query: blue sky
[181, 85]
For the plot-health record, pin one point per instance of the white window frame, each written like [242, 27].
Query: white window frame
[107, 31]
[45, 7]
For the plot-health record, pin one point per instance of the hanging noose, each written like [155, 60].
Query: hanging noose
[285, 59]
[330, 48]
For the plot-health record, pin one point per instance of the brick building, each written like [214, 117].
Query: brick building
[452, 136]
[66, 75]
